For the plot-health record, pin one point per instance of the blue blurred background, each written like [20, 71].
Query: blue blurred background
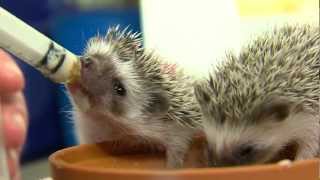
[70, 23]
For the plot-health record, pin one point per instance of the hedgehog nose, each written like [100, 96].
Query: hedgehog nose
[87, 69]
[86, 62]
[241, 155]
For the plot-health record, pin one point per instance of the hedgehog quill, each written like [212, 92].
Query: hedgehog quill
[125, 90]
[257, 103]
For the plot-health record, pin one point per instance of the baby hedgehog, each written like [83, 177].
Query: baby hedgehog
[126, 91]
[258, 103]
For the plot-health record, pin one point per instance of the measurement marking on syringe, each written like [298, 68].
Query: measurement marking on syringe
[53, 55]
[44, 60]
[55, 69]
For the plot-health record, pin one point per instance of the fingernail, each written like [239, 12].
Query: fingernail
[19, 121]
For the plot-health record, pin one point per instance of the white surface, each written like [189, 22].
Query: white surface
[36, 170]
[195, 33]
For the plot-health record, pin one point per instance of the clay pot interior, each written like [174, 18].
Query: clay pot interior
[99, 161]
[105, 155]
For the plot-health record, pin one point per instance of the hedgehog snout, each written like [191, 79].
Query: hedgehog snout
[88, 72]
[86, 63]
[232, 156]
[91, 79]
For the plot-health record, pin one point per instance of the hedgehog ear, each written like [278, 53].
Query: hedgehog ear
[159, 104]
[276, 108]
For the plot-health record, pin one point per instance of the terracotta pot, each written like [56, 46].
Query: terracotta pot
[98, 162]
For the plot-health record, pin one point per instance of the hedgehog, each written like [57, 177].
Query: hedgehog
[127, 91]
[258, 103]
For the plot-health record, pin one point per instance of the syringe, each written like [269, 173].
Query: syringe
[54, 61]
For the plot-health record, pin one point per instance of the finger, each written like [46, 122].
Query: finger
[14, 116]
[11, 77]
[13, 163]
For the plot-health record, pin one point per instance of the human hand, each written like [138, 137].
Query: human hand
[13, 111]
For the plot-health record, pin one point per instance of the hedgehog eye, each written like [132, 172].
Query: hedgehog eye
[118, 88]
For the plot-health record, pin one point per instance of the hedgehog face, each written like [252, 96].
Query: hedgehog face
[237, 153]
[232, 146]
[109, 80]
[102, 84]
[114, 81]
[266, 142]
[257, 102]
[253, 137]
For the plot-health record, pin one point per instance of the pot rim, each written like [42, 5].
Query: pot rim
[56, 162]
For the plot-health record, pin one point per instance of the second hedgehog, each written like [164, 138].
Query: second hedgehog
[126, 91]
[257, 104]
